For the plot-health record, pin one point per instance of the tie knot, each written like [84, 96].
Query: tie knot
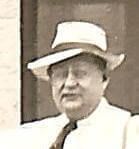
[70, 126]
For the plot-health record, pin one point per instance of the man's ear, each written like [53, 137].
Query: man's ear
[105, 83]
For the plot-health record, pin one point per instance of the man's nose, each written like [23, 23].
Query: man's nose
[71, 80]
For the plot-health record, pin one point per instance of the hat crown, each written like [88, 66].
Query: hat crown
[80, 32]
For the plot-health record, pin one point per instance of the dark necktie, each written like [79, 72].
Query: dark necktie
[58, 144]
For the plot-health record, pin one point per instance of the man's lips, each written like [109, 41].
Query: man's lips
[70, 95]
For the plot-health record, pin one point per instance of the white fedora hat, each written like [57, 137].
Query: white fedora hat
[71, 39]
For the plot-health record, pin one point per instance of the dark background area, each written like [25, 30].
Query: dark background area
[120, 19]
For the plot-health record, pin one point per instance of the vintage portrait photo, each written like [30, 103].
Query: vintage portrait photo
[78, 75]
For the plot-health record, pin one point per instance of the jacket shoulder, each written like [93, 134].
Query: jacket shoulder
[119, 112]
[41, 123]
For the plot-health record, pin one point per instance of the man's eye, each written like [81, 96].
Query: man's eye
[59, 74]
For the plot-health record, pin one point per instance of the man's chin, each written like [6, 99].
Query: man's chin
[72, 105]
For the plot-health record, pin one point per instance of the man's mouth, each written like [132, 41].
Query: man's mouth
[70, 96]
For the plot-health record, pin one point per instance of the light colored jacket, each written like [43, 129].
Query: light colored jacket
[107, 127]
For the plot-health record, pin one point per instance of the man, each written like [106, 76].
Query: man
[78, 69]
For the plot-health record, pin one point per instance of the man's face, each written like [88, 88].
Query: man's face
[77, 86]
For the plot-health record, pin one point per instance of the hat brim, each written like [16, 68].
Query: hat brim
[39, 67]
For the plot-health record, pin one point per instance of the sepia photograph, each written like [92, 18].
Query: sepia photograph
[72, 75]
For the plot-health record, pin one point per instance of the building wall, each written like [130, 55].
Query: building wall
[9, 64]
